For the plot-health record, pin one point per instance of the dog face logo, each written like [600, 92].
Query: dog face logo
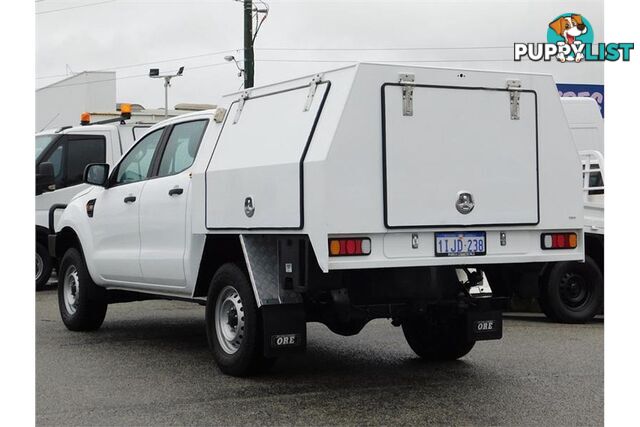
[570, 29]
[465, 203]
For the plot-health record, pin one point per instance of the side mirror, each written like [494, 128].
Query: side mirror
[45, 179]
[96, 174]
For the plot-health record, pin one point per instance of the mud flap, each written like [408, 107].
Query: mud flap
[484, 325]
[284, 328]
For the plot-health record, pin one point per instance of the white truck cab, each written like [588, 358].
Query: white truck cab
[369, 191]
[61, 157]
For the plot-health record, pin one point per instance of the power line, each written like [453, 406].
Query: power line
[120, 67]
[331, 49]
[74, 7]
[386, 61]
[133, 76]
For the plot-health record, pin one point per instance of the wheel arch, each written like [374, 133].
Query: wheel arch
[68, 238]
[41, 234]
[65, 239]
[218, 249]
[594, 248]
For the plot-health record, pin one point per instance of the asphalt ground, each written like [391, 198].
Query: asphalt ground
[149, 364]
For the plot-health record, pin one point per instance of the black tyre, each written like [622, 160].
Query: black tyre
[44, 265]
[544, 307]
[438, 341]
[573, 292]
[82, 303]
[234, 329]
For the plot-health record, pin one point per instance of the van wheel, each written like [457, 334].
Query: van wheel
[573, 291]
[82, 303]
[43, 266]
[234, 329]
[439, 341]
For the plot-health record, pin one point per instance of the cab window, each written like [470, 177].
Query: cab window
[80, 153]
[55, 157]
[182, 147]
[71, 155]
[135, 166]
[43, 141]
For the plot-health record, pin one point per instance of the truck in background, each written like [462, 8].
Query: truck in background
[572, 291]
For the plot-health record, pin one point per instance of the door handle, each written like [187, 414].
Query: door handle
[175, 191]
[130, 199]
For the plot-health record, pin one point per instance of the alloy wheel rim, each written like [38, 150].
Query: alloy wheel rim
[229, 320]
[71, 289]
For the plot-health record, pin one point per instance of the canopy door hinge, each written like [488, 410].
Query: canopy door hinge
[312, 91]
[514, 98]
[241, 101]
[406, 80]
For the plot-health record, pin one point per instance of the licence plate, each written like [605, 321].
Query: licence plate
[469, 243]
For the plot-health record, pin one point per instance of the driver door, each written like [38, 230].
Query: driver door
[115, 228]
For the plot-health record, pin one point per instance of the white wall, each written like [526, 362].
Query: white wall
[61, 103]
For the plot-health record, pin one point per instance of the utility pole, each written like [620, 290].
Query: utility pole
[248, 44]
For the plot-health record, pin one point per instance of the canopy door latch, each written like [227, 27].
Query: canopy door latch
[514, 98]
[407, 80]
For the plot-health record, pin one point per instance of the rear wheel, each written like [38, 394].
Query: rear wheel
[442, 340]
[82, 303]
[234, 329]
[43, 266]
[573, 291]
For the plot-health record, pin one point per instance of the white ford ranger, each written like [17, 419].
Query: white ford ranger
[369, 191]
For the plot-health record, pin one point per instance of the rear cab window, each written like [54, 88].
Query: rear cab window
[181, 147]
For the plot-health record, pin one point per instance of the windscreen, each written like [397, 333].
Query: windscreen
[43, 141]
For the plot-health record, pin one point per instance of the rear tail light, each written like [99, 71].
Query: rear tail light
[559, 240]
[350, 246]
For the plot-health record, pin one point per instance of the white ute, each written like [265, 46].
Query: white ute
[369, 191]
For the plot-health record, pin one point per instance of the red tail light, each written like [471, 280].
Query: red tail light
[559, 240]
[350, 246]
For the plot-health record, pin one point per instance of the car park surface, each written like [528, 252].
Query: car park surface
[149, 364]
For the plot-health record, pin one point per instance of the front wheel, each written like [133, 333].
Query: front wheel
[82, 303]
[437, 341]
[234, 329]
[573, 292]
[43, 266]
